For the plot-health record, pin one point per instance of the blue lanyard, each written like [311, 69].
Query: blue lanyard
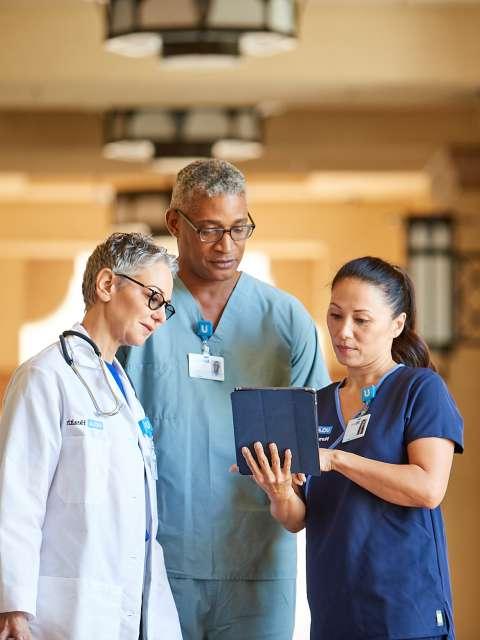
[204, 330]
[368, 396]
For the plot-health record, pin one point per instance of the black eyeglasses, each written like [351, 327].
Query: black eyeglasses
[155, 300]
[237, 233]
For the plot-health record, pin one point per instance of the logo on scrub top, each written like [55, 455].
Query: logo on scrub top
[72, 422]
[324, 431]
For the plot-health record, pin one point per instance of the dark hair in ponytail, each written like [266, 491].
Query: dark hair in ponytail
[407, 348]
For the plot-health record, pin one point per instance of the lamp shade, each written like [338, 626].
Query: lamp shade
[189, 32]
[150, 134]
[431, 261]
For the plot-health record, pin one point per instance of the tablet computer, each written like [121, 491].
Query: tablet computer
[284, 415]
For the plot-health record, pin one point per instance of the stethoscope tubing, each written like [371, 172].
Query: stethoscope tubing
[71, 363]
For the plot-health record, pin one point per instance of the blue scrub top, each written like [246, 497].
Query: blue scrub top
[116, 376]
[375, 569]
[214, 524]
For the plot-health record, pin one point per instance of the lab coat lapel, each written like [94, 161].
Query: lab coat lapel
[132, 405]
[89, 367]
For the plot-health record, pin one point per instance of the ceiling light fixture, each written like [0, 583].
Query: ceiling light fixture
[167, 136]
[193, 32]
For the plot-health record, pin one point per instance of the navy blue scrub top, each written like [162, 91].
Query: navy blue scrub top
[375, 569]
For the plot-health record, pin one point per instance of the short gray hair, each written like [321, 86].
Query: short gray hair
[123, 253]
[208, 178]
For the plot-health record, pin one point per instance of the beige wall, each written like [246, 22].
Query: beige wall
[13, 290]
[462, 503]
[345, 231]
[46, 282]
[38, 241]
[461, 506]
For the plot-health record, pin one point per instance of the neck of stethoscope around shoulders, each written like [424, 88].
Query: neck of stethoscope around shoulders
[67, 357]
[71, 363]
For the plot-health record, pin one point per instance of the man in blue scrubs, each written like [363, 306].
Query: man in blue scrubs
[231, 565]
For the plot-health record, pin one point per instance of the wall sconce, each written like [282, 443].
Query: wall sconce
[183, 134]
[192, 32]
[431, 264]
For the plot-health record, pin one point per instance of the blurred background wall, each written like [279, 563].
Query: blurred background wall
[372, 119]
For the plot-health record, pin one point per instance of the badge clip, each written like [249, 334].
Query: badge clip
[368, 394]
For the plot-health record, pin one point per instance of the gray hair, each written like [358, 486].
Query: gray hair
[123, 253]
[208, 178]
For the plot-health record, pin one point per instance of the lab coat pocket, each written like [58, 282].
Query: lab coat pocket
[76, 609]
[82, 471]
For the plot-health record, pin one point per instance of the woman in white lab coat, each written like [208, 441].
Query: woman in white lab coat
[79, 558]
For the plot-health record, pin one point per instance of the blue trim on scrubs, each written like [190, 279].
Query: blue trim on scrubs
[375, 569]
[339, 408]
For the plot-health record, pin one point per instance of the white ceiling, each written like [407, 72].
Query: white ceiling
[351, 52]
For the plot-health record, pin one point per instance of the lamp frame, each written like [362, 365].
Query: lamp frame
[118, 121]
[199, 38]
[444, 218]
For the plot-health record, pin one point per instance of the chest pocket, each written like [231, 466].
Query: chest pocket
[83, 468]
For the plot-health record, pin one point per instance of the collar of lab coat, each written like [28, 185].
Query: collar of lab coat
[80, 351]
[84, 357]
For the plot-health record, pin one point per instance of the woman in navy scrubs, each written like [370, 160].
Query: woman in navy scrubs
[376, 550]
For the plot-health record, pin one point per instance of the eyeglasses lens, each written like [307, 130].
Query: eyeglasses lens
[236, 233]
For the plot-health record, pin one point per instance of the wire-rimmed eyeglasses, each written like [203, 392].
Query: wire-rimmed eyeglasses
[155, 300]
[238, 233]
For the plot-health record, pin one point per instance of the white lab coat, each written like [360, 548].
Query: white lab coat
[77, 496]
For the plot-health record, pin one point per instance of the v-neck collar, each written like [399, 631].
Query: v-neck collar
[339, 385]
[232, 304]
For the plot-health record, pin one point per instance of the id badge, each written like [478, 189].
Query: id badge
[206, 366]
[356, 428]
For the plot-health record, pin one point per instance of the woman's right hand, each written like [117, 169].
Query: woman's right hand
[274, 479]
[14, 626]
[278, 482]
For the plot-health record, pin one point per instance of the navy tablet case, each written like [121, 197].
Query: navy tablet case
[286, 416]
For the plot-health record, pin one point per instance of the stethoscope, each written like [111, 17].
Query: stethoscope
[69, 360]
